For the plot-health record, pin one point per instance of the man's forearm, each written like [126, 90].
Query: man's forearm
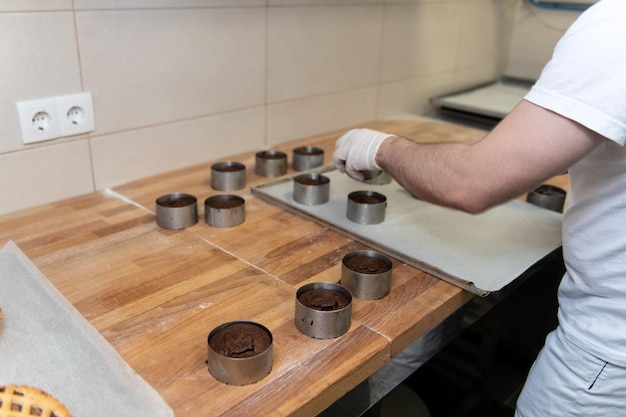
[438, 173]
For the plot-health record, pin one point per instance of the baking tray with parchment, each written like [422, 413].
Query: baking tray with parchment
[481, 253]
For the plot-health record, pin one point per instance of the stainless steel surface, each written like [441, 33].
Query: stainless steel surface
[492, 100]
[372, 284]
[179, 217]
[270, 163]
[224, 210]
[480, 253]
[548, 197]
[307, 157]
[311, 189]
[239, 371]
[323, 324]
[377, 177]
[228, 176]
[366, 212]
[370, 174]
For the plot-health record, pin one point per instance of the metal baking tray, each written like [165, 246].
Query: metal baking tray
[481, 253]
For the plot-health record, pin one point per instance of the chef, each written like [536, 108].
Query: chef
[573, 118]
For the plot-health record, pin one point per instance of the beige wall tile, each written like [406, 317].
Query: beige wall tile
[535, 34]
[149, 67]
[477, 44]
[438, 37]
[399, 97]
[39, 60]
[475, 76]
[178, 82]
[318, 50]
[154, 4]
[34, 5]
[412, 96]
[400, 39]
[123, 157]
[309, 116]
[44, 174]
[320, 2]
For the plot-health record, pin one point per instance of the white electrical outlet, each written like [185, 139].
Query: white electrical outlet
[55, 117]
[75, 114]
[39, 120]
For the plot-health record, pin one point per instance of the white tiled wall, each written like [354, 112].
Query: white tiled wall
[179, 82]
[535, 33]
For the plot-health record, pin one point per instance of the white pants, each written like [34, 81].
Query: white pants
[566, 381]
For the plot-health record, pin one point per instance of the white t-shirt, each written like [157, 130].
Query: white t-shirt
[586, 81]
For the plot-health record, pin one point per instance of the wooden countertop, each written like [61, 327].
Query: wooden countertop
[155, 294]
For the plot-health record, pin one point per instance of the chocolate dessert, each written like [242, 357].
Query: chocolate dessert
[324, 300]
[549, 190]
[240, 340]
[271, 155]
[363, 197]
[364, 264]
[308, 150]
[311, 179]
[183, 201]
[229, 167]
[224, 202]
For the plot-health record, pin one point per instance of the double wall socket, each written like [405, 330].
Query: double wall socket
[55, 117]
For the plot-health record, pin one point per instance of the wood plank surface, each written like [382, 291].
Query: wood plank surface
[298, 251]
[155, 294]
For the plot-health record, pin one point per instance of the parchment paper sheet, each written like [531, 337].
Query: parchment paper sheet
[45, 342]
[481, 253]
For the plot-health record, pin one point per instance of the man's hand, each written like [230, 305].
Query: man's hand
[356, 151]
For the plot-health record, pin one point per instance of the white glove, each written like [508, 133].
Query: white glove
[356, 151]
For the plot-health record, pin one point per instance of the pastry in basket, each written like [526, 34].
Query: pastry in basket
[29, 401]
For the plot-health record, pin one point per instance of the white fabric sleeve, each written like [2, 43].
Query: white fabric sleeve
[585, 80]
